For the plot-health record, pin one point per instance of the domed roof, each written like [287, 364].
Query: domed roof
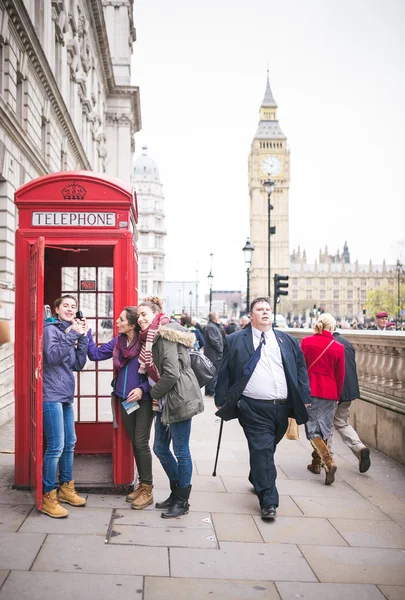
[144, 168]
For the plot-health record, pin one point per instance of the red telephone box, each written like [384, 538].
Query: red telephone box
[76, 235]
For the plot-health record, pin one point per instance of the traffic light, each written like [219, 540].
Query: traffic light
[280, 286]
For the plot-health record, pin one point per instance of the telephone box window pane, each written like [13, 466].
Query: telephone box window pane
[91, 323]
[69, 279]
[105, 330]
[105, 305]
[104, 409]
[75, 410]
[89, 366]
[87, 409]
[104, 382]
[87, 303]
[105, 279]
[106, 365]
[75, 378]
[87, 384]
[86, 273]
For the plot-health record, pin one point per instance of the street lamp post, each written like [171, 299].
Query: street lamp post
[191, 302]
[210, 278]
[399, 267]
[248, 252]
[268, 186]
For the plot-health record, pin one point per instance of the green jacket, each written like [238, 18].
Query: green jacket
[177, 381]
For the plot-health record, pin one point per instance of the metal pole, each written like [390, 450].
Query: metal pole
[214, 473]
[268, 244]
[210, 298]
[399, 287]
[275, 304]
[247, 291]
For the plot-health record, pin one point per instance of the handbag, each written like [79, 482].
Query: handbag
[203, 368]
[293, 432]
[4, 332]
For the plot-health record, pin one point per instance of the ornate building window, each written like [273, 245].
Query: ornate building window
[144, 286]
[350, 294]
[336, 294]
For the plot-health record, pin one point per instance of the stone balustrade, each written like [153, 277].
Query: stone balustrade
[379, 414]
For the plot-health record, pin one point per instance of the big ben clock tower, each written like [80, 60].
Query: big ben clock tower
[268, 159]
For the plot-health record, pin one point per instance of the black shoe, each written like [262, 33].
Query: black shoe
[168, 502]
[180, 505]
[364, 460]
[269, 512]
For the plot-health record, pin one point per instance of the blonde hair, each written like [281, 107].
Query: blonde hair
[153, 302]
[327, 322]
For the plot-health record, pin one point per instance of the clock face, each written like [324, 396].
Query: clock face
[272, 165]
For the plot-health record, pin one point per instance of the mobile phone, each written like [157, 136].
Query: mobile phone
[79, 315]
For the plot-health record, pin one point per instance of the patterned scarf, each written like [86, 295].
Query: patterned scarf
[122, 353]
[146, 364]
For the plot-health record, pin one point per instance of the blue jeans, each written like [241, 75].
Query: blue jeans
[180, 468]
[59, 429]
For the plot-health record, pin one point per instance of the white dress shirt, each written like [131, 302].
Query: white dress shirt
[268, 380]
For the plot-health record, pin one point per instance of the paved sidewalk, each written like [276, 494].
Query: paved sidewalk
[327, 543]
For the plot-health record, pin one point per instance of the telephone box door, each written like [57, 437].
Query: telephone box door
[36, 283]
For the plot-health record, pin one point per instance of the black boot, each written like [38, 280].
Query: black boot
[180, 503]
[168, 502]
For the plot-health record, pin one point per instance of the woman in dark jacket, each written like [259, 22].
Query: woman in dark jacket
[64, 351]
[325, 362]
[132, 387]
[177, 397]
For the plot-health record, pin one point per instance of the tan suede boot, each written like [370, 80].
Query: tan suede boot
[51, 506]
[68, 494]
[137, 490]
[144, 498]
[327, 462]
[316, 465]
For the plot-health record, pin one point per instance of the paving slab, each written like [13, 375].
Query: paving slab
[299, 530]
[181, 537]
[206, 467]
[336, 508]
[393, 592]
[201, 483]
[81, 520]
[90, 554]
[370, 534]
[236, 528]
[65, 586]
[242, 561]
[105, 501]
[145, 518]
[3, 576]
[18, 550]
[317, 487]
[328, 591]
[333, 564]
[9, 496]
[13, 515]
[238, 504]
[159, 588]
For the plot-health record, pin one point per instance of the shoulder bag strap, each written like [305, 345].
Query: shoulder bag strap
[321, 354]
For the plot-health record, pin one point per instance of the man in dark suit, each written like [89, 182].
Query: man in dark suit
[262, 381]
[350, 392]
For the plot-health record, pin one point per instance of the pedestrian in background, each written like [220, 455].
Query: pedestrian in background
[349, 392]
[263, 380]
[177, 396]
[213, 349]
[325, 362]
[381, 320]
[64, 350]
[244, 321]
[133, 387]
[186, 322]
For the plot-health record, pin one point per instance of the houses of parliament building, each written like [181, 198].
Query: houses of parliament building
[333, 282]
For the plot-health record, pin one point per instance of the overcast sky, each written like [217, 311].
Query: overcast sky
[337, 74]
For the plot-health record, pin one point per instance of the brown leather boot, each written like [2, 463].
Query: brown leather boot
[316, 464]
[137, 490]
[144, 498]
[51, 506]
[327, 462]
[68, 494]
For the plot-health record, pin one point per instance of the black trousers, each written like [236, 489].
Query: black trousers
[138, 425]
[264, 425]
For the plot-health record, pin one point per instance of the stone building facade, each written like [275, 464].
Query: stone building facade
[151, 227]
[66, 102]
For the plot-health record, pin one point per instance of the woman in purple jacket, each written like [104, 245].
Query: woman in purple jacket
[132, 389]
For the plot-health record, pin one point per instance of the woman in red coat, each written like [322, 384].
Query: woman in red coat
[325, 361]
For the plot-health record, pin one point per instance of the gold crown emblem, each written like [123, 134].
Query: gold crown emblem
[73, 192]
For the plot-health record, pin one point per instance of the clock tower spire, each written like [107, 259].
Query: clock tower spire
[269, 158]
